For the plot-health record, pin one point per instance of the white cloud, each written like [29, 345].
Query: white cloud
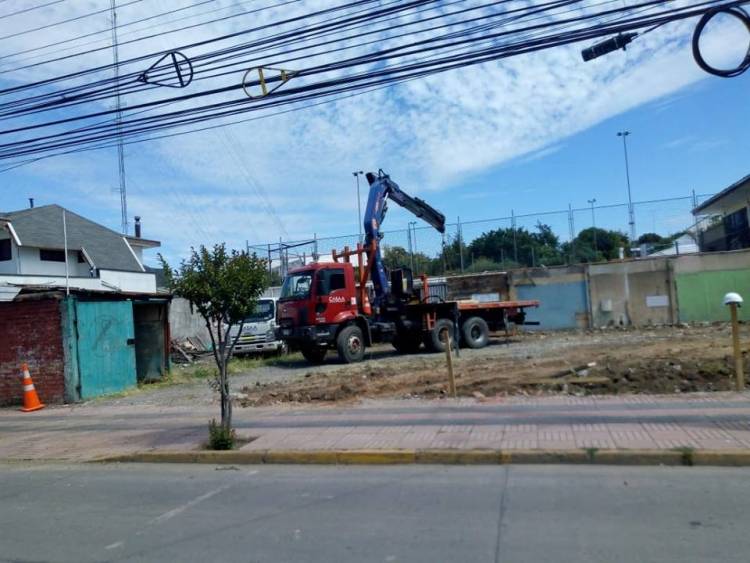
[290, 175]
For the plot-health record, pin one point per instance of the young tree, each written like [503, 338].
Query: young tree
[224, 288]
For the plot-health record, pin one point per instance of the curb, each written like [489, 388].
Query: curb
[592, 456]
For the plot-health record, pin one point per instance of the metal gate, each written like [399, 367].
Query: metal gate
[106, 347]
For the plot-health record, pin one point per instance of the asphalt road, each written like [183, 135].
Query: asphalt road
[87, 513]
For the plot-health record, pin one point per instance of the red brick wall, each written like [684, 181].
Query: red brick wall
[31, 332]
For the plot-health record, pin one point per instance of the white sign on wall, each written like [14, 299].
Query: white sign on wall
[657, 301]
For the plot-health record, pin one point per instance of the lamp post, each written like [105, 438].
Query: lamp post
[631, 211]
[593, 224]
[359, 205]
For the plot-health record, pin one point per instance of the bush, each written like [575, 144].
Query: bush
[219, 437]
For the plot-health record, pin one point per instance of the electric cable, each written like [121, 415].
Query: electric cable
[736, 12]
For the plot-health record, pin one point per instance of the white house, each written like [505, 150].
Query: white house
[32, 253]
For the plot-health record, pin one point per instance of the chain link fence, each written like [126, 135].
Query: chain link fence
[427, 250]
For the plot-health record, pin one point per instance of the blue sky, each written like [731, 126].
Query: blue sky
[532, 134]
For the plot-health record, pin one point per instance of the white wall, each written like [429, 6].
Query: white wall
[32, 265]
[9, 266]
[130, 281]
[126, 282]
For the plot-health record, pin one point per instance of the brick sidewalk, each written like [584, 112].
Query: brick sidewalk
[717, 421]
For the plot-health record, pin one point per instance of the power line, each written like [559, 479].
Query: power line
[77, 18]
[102, 31]
[363, 79]
[31, 9]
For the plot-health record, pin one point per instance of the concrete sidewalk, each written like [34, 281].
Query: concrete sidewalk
[715, 422]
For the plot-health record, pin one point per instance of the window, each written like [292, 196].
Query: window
[330, 280]
[296, 286]
[263, 311]
[5, 252]
[51, 255]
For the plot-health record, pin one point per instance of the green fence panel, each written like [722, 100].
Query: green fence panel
[700, 294]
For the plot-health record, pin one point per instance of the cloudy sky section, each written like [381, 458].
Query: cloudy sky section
[449, 138]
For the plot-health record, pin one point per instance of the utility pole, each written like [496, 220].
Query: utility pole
[631, 211]
[460, 245]
[413, 227]
[593, 225]
[118, 122]
[359, 206]
[515, 241]
[411, 247]
[571, 232]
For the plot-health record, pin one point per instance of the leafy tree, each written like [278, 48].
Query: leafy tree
[594, 244]
[224, 288]
[520, 246]
[651, 238]
[395, 257]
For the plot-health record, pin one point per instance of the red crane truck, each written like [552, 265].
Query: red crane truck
[326, 306]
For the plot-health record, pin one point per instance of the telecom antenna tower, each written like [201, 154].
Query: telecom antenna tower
[118, 123]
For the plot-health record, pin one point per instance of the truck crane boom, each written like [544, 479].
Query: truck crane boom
[383, 188]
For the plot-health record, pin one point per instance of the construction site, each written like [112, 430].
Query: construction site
[658, 360]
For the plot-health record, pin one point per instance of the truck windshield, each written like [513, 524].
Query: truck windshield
[263, 311]
[297, 286]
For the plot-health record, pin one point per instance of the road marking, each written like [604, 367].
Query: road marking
[182, 508]
[115, 545]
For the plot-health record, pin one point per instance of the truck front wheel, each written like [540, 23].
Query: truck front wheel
[351, 344]
[314, 354]
[475, 332]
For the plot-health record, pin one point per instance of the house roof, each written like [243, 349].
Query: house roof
[42, 227]
[738, 185]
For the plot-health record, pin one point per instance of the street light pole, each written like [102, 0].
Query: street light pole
[631, 211]
[359, 205]
[593, 224]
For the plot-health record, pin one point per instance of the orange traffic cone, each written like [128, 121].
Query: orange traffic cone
[31, 401]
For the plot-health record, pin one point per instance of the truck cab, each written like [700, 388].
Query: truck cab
[317, 303]
[258, 334]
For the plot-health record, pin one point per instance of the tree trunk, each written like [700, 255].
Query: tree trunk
[226, 403]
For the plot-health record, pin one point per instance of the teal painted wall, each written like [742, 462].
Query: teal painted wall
[699, 294]
[562, 305]
[106, 350]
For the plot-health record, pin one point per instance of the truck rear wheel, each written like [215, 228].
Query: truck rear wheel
[435, 339]
[351, 344]
[314, 354]
[475, 332]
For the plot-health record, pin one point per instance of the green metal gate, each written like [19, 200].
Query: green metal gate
[106, 347]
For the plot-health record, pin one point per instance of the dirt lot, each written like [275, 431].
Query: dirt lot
[613, 361]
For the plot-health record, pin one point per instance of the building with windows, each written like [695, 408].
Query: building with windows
[724, 220]
[78, 306]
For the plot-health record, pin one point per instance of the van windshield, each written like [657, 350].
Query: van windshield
[297, 286]
[263, 311]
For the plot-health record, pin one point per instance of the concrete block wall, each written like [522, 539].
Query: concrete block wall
[31, 331]
[635, 292]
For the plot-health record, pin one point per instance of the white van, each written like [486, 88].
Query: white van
[259, 331]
